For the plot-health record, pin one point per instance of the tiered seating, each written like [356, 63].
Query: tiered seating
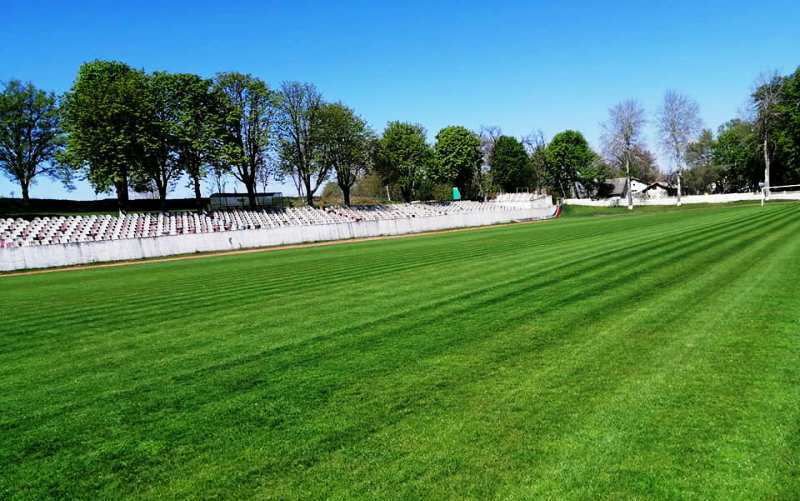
[44, 231]
[515, 197]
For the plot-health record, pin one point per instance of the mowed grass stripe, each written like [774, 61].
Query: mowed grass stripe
[354, 431]
[417, 391]
[593, 356]
[570, 266]
[281, 273]
[381, 320]
[143, 305]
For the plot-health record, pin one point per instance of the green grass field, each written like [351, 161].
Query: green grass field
[645, 355]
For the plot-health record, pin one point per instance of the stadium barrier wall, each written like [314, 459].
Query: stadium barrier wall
[48, 256]
[686, 199]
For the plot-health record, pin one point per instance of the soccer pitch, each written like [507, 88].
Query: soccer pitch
[654, 354]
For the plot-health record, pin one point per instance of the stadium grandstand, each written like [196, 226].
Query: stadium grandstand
[19, 232]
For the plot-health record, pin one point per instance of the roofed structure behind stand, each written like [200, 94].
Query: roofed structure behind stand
[219, 201]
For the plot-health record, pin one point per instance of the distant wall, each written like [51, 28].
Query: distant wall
[686, 199]
[47, 256]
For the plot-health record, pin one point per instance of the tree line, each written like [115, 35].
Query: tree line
[122, 129]
[761, 146]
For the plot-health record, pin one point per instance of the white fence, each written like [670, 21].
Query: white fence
[47, 256]
[686, 199]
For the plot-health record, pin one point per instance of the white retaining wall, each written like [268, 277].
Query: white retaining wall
[47, 256]
[686, 199]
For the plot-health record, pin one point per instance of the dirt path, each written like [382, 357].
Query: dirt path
[201, 255]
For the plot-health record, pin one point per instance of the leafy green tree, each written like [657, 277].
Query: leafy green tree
[643, 165]
[345, 145]
[160, 168]
[483, 176]
[370, 186]
[736, 151]
[458, 157]
[536, 146]
[300, 116]
[510, 167]
[702, 174]
[196, 125]
[788, 134]
[766, 101]
[701, 151]
[403, 157]
[103, 114]
[30, 134]
[249, 128]
[571, 160]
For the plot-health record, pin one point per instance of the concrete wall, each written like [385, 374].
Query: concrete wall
[540, 202]
[686, 199]
[47, 256]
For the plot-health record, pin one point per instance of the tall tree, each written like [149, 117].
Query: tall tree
[458, 156]
[622, 135]
[571, 160]
[788, 136]
[736, 152]
[644, 165]
[766, 105]
[403, 157]
[489, 134]
[30, 134]
[250, 126]
[536, 145]
[160, 168]
[346, 144]
[103, 114]
[300, 114]
[510, 164]
[702, 174]
[678, 125]
[197, 126]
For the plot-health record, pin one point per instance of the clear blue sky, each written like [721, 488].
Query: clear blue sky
[519, 65]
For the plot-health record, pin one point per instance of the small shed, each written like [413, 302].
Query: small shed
[657, 190]
[618, 187]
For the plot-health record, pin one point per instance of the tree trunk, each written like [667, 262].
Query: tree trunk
[198, 196]
[309, 194]
[251, 193]
[345, 194]
[25, 186]
[766, 168]
[679, 187]
[162, 195]
[122, 192]
[407, 194]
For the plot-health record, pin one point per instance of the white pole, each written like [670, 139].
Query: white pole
[628, 175]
